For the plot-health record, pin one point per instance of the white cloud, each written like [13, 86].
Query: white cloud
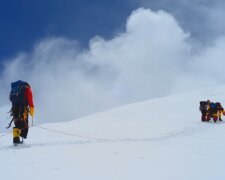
[204, 19]
[150, 59]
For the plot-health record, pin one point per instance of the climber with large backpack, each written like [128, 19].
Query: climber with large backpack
[22, 105]
[213, 111]
[220, 110]
[204, 108]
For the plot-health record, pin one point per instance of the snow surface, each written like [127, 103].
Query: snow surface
[159, 139]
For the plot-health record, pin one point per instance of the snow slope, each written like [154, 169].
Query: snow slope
[158, 139]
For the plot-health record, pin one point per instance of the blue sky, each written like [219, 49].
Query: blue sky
[24, 22]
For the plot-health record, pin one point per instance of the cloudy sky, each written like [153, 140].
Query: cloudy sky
[82, 57]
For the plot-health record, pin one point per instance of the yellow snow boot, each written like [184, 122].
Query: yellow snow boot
[16, 136]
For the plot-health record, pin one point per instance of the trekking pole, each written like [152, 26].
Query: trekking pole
[10, 124]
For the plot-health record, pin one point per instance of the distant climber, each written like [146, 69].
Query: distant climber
[213, 111]
[204, 108]
[22, 105]
[220, 110]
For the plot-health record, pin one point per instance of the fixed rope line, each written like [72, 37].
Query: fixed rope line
[93, 138]
[108, 140]
[69, 134]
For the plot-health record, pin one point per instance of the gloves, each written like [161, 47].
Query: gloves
[32, 112]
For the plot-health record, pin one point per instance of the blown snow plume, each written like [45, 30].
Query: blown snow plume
[151, 58]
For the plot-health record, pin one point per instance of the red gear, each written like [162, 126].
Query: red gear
[29, 97]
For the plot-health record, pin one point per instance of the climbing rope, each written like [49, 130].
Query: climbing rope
[100, 139]
[69, 134]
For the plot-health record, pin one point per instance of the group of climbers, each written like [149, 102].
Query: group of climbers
[22, 105]
[211, 110]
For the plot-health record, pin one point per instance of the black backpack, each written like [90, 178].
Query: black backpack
[203, 106]
[17, 93]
